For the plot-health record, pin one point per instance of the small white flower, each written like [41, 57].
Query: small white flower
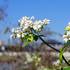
[68, 33]
[18, 35]
[64, 36]
[46, 21]
[65, 39]
[37, 25]
[23, 35]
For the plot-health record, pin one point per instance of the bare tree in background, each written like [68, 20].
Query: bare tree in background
[3, 9]
[2, 14]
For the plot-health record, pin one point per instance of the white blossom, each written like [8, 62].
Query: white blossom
[65, 39]
[18, 35]
[66, 36]
[46, 21]
[68, 33]
[25, 26]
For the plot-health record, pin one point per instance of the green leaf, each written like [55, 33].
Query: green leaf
[60, 55]
[35, 37]
[67, 28]
[30, 38]
[66, 68]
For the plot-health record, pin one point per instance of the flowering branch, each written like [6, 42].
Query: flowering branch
[54, 49]
[48, 44]
[29, 29]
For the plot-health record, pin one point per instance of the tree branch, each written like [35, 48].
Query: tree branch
[54, 49]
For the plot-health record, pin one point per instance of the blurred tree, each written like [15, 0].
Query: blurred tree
[3, 9]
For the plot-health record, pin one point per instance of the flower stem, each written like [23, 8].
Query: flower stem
[54, 49]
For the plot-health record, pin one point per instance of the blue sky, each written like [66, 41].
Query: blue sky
[58, 11]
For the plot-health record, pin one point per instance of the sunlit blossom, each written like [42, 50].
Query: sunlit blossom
[26, 24]
[66, 36]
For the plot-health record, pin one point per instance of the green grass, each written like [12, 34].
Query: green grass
[66, 68]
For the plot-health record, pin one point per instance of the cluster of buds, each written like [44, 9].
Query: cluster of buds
[66, 35]
[25, 26]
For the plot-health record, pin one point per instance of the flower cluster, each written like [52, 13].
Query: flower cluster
[66, 35]
[26, 24]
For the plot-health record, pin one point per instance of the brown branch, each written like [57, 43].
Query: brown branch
[54, 49]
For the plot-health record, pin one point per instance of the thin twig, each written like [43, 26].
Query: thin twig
[65, 60]
[54, 49]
